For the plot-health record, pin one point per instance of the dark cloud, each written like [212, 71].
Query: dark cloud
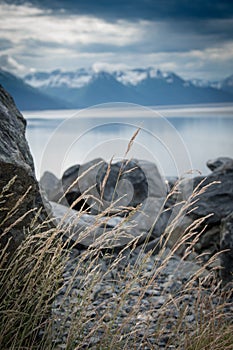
[207, 32]
[211, 18]
[140, 9]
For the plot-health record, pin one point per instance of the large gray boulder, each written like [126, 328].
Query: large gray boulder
[127, 183]
[213, 200]
[89, 230]
[15, 163]
[215, 196]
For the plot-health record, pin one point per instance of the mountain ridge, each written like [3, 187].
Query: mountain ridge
[85, 87]
[146, 86]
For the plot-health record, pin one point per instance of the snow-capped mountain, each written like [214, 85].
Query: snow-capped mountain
[146, 86]
[223, 84]
[81, 77]
[136, 76]
[58, 78]
[202, 83]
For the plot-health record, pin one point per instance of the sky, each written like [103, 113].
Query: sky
[193, 38]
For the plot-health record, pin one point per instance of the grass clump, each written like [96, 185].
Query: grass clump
[29, 280]
[54, 298]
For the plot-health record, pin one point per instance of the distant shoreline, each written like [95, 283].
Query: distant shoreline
[166, 111]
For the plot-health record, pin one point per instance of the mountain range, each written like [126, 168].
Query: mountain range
[85, 87]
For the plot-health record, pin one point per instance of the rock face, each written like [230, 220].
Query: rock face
[125, 180]
[226, 243]
[216, 199]
[81, 179]
[15, 162]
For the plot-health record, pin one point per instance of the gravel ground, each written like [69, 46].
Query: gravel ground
[151, 312]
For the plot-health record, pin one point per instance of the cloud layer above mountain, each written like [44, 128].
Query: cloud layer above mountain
[192, 38]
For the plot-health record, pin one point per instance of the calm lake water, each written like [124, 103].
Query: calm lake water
[176, 139]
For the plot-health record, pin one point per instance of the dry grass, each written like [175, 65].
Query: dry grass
[32, 281]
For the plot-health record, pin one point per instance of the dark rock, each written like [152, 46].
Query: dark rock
[51, 185]
[173, 194]
[156, 185]
[153, 246]
[187, 186]
[226, 243]
[70, 186]
[220, 164]
[209, 240]
[15, 162]
[145, 219]
[216, 197]
[171, 182]
[129, 183]
[178, 232]
[161, 223]
[210, 197]
[138, 184]
[69, 177]
[82, 179]
[126, 182]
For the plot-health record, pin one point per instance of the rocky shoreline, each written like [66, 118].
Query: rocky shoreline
[137, 204]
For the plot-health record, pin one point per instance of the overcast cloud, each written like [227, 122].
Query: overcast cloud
[193, 39]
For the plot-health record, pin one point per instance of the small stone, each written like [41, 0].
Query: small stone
[190, 318]
[158, 300]
[152, 292]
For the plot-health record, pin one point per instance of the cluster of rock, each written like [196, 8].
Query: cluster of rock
[129, 201]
